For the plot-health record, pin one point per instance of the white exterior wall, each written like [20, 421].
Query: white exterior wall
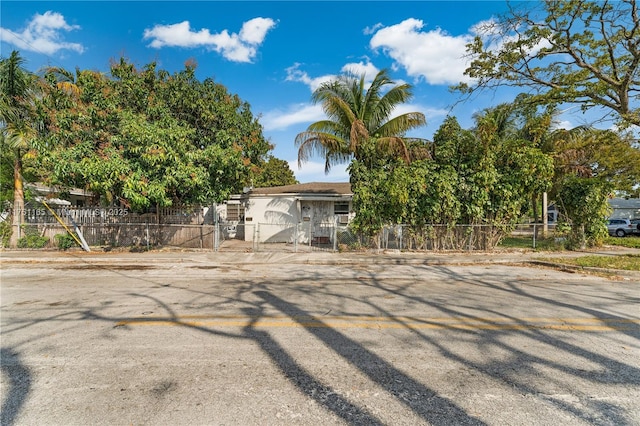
[274, 219]
[279, 219]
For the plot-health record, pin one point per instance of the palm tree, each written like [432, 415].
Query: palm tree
[17, 93]
[357, 114]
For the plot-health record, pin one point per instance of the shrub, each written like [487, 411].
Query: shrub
[5, 234]
[32, 239]
[65, 241]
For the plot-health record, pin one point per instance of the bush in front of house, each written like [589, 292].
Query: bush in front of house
[32, 239]
[5, 234]
[65, 241]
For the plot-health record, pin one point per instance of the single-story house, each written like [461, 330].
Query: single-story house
[51, 195]
[303, 213]
[625, 208]
[621, 208]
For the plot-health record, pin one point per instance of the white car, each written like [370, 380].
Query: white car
[620, 227]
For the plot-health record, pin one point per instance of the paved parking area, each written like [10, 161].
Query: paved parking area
[203, 339]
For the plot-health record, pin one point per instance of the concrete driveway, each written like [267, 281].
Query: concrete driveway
[276, 339]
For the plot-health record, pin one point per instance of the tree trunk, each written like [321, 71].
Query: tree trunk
[18, 202]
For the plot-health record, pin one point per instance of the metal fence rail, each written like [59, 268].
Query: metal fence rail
[132, 235]
[301, 237]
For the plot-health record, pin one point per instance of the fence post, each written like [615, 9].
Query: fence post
[534, 235]
[295, 239]
[256, 237]
[216, 227]
[147, 226]
[335, 235]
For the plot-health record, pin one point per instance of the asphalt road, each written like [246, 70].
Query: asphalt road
[192, 340]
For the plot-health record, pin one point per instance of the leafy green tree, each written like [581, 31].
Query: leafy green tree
[588, 152]
[575, 51]
[482, 176]
[380, 190]
[584, 203]
[356, 114]
[472, 164]
[18, 89]
[496, 170]
[147, 137]
[6, 176]
[273, 172]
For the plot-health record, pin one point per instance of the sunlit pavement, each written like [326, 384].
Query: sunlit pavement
[319, 338]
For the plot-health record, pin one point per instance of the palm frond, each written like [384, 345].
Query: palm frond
[355, 114]
[318, 144]
[394, 145]
[401, 124]
[357, 135]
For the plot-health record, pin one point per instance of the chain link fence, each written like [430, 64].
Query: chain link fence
[305, 237]
[142, 236]
[111, 228]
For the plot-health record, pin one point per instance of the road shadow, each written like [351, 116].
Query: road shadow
[415, 395]
[254, 297]
[302, 379]
[19, 377]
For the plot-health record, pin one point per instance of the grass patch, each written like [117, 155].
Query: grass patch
[630, 242]
[544, 244]
[626, 262]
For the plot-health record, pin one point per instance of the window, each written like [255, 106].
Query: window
[341, 208]
[235, 212]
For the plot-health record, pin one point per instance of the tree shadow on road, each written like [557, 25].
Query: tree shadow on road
[19, 385]
[255, 297]
[420, 399]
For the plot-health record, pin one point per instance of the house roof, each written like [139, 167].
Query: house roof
[44, 189]
[313, 188]
[625, 203]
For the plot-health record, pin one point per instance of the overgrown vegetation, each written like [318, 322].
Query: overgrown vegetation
[32, 238]
[629, 242]
[145, 138]
[584, 201]
[483, 176]
[65, 241]
[5, 233]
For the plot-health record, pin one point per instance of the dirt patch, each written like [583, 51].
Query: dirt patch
[105, 267]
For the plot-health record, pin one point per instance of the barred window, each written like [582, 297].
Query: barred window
[341, 208]
[235, 212]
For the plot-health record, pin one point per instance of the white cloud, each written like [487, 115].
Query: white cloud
[372, 29]
[255, 30]
[279, 120]
[562, 124]
[429, 113]
[295, 74]
[368, 69]
[234, 47]
[434, 55]
[43, 34]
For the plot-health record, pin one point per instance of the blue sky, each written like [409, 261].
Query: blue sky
[272, 54]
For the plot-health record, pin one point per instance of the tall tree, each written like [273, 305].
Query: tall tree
[146, 137]
[18, 89]
[587, 152]
[576, 51]
[356, 113]
[273, 172]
